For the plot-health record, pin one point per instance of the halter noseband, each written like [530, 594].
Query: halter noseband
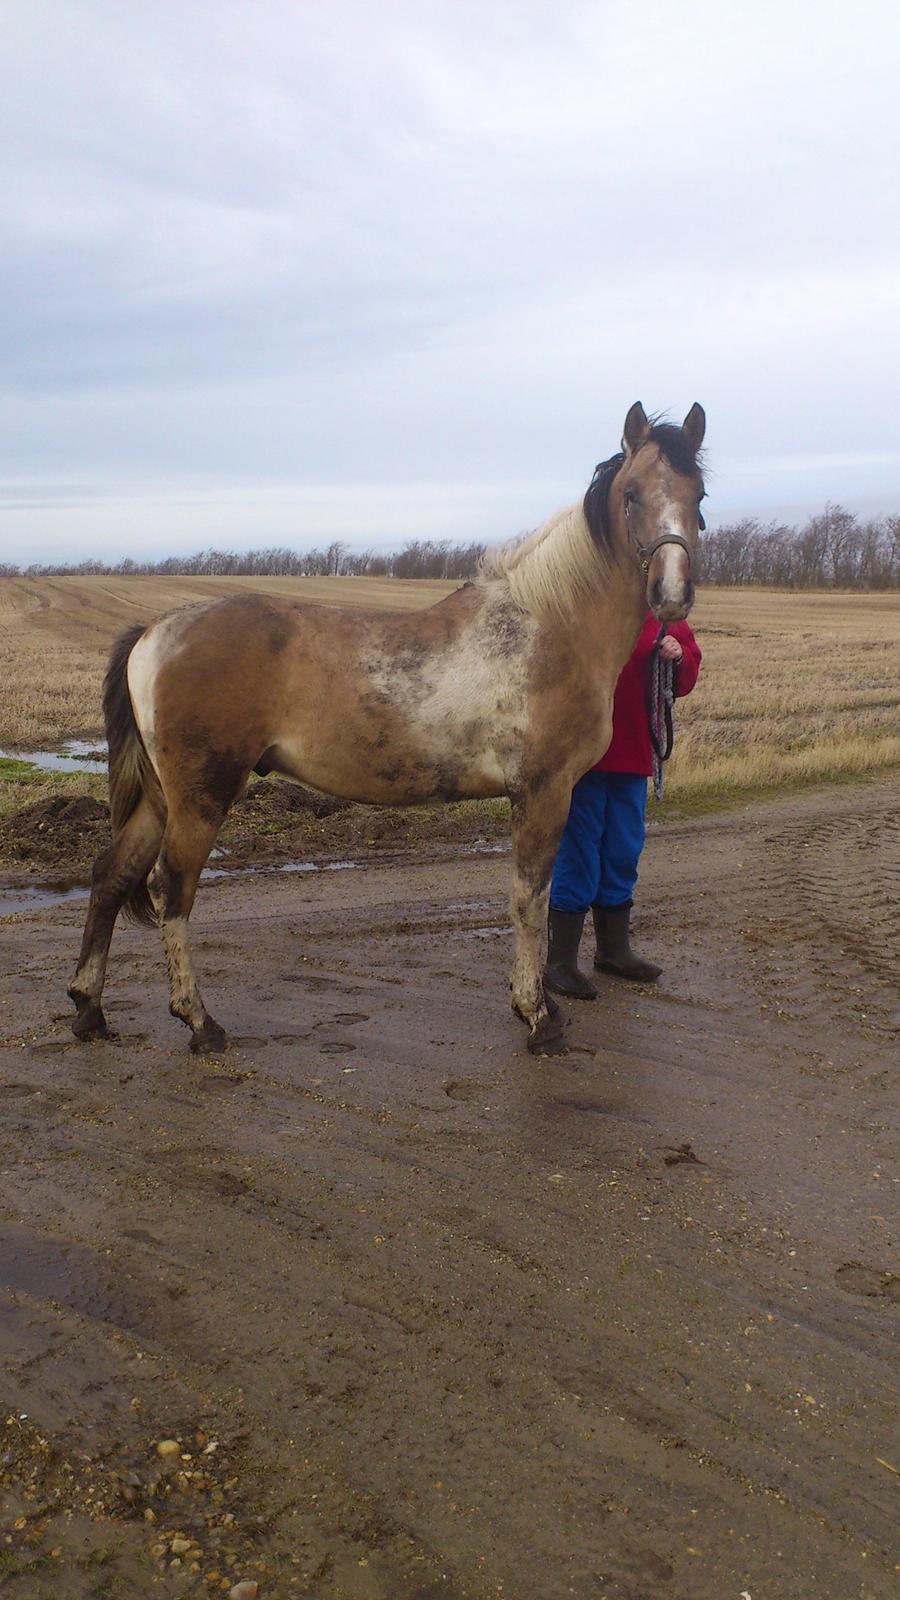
[646, 552]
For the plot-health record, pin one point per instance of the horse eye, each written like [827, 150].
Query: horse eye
[630, 497]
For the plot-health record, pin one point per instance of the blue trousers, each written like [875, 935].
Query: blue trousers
[597, 859]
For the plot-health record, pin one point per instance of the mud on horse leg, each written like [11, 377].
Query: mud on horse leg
[173, 885]
[538, 818]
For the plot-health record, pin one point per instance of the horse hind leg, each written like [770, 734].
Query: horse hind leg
[186, 844]
[118, 872]
[538, 818]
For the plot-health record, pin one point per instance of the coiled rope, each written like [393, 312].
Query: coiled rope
[660, 700]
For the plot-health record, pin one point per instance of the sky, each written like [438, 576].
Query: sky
[281, 273]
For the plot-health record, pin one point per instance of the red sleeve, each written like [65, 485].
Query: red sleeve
[688, 669]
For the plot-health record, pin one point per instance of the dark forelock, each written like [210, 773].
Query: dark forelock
[675, 446]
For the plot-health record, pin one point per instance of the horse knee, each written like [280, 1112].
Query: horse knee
[166, 884]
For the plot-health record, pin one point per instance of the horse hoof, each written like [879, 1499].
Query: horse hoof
[209, 1040]
[90, 1023]
[546, 1037]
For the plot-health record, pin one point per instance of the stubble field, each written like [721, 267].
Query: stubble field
[795, 688]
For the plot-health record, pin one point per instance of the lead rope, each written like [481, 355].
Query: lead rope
[661, 698]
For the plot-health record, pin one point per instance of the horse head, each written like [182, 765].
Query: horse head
[645, 502]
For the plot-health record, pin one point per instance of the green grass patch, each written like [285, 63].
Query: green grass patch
[13, 770]
[18, 769]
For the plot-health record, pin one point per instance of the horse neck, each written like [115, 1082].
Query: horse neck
[613, 615]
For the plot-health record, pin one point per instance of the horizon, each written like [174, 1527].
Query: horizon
[391, 544]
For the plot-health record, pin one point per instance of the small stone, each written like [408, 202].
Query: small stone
[168, 1447]
[149, 1515]
[248, 1590]
[180, 1545]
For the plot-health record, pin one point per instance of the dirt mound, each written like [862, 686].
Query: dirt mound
[274, 821]
[61, 829]
[284, 821]
[279, 821]
[287, 799]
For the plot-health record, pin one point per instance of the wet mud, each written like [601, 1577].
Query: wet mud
[376, 1306]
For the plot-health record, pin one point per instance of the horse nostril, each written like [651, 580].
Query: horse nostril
[655, 596]
[689, 593]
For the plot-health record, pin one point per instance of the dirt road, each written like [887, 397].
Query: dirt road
[428, 1317]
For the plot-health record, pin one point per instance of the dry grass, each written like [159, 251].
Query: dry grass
[795, 688]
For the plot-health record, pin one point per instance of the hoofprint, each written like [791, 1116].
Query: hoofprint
[503, 688]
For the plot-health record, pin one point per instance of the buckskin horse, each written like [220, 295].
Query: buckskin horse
[505, 687]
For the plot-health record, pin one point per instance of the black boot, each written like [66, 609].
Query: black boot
[614, 952]
[563, 938]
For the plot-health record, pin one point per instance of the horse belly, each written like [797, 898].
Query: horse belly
[376, 774]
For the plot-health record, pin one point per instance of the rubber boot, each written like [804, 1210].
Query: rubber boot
[561, 972]
[614, 952]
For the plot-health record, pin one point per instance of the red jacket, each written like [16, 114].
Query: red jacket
[629, 749]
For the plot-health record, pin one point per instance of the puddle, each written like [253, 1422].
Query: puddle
[67, 1273]
[76, 755]
[24, 897]
[274, 871]
[37, 897]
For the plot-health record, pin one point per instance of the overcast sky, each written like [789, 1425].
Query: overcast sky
[285, 272]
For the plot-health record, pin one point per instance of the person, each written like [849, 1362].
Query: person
[596, 864]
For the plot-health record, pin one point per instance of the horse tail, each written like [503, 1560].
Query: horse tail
[131, 774]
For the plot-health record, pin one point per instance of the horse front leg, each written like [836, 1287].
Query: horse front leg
[538, 818]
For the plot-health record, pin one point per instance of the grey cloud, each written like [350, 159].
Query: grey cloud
[420, 244]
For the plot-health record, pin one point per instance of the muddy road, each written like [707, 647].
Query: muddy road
[417, 1315]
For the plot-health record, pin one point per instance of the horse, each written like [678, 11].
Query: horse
[504, 687]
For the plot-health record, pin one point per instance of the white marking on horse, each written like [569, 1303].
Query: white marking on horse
[672, 559]
[155, 647]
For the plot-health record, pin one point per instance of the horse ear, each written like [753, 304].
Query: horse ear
[636, 427]
[694, 426]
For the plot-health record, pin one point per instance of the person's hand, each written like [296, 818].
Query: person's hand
[670, 649]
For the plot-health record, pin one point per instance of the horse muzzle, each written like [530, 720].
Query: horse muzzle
[669, 608]
[667, 567]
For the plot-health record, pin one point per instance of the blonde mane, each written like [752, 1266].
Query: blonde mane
[551, 569]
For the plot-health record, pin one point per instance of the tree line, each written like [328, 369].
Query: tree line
[832, 550]
[419, 558]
